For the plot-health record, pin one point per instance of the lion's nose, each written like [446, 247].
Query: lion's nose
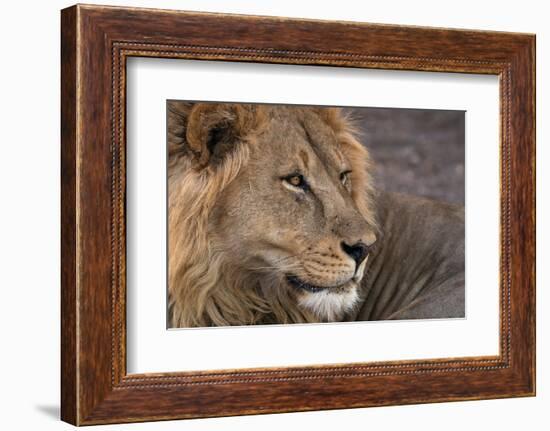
[357, 251]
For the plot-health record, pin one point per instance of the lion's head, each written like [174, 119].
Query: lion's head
[270, 219]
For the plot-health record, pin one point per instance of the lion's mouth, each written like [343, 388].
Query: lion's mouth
[302, 285]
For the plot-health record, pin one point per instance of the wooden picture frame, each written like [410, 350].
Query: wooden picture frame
[95, 43]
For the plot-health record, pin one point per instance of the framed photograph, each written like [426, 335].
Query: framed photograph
[264, 214]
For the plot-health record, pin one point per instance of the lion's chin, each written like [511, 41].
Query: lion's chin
[330, 305]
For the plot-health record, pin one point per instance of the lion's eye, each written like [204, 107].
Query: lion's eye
[344, 178]
[297, 181]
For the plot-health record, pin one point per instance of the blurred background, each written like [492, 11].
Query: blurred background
[415, 151]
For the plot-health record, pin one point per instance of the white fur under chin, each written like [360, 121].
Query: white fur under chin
[329, 306]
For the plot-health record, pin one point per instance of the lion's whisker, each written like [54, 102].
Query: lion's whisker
[281, 267]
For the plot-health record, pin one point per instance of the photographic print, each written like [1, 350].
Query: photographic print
[281, 214]
[237, 205]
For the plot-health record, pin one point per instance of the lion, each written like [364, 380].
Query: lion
[273, 218]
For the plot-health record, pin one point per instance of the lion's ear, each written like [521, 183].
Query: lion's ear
[214, 129]
[177, 113]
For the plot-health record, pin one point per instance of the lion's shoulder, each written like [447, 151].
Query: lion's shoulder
[418, 260]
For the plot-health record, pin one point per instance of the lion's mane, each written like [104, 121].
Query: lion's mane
[203, 289]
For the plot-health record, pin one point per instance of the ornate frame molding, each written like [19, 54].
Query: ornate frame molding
[96, 41]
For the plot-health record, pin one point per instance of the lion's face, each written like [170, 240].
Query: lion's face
[269, 213]
[291, 214]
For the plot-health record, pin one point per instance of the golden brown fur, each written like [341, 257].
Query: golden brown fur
[235, 229]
